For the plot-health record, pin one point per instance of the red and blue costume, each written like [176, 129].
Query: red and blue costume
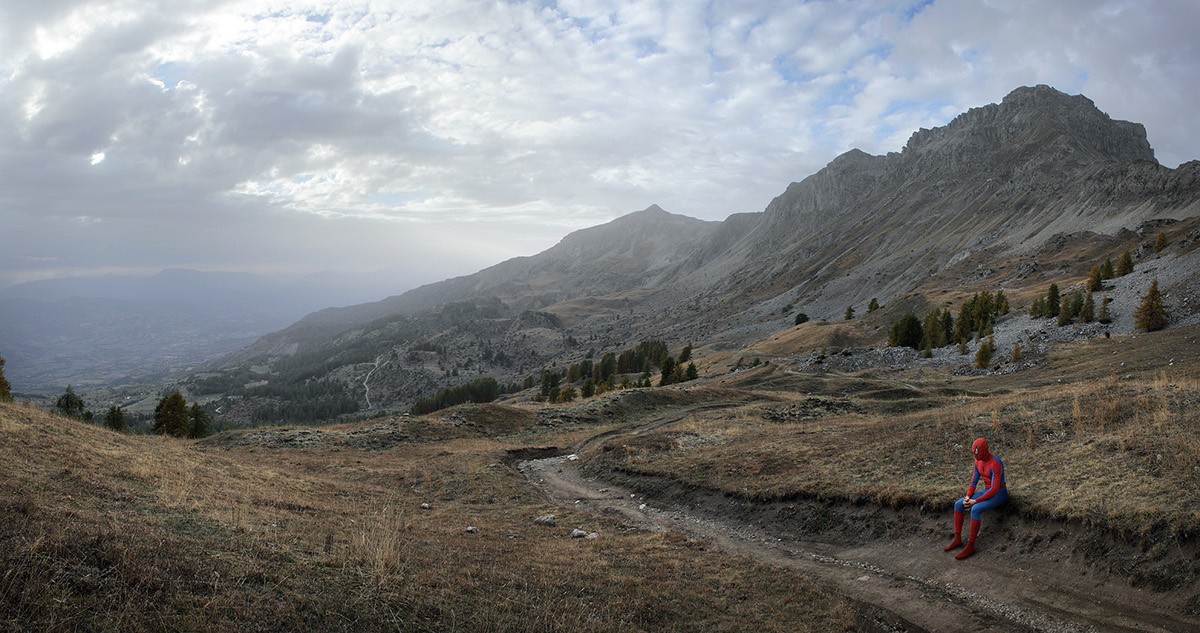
[993, 495]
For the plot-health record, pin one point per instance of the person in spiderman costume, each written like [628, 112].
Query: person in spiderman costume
[993, 495]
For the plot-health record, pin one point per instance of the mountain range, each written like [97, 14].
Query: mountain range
[991, 200]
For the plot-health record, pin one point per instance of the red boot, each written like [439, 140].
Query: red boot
[958, 521]
[970, 548]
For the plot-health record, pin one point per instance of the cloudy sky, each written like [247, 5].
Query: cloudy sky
[439, 137]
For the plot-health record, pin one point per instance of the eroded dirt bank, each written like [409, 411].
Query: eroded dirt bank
[1028, 575]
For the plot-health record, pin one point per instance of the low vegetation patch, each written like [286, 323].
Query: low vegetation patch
[100, 530]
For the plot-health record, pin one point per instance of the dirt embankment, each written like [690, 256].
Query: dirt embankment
[1029, 574]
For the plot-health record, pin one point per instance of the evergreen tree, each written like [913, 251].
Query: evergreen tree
[70, 404]
[1087, 314]
[1052, 301]
[1001, 303]
[589, 388]
[932, 332]
[1016, 353]
[685, 354]
[1095, 282]
[1076, 303]
[200, 421]
[947, 327]
[906, 332]
[983, 356]
[171, 416]
[873, 306]
[962, 347]
[801, 318]
[567, 394]
[5, 386]
[668, 366]
[1037, 309]
[115, 419]
[608, 366]
[1152, 314]
[927, 351]
[1106, 269]
[849, 313]
[1160, 242]
[1104, 317]
[1125, 264]
[1064, 314]
[692, 372]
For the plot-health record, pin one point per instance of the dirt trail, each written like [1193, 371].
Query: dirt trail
[904, 578]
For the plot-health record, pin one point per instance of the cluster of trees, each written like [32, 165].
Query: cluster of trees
[1077, 304]
[976, 319]
[173, 417]
[594, 378]
[480, 390]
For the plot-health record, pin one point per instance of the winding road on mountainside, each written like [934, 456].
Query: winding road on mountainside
[902, 582]
[367, 380]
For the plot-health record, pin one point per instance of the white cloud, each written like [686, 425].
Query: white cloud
[357, 135]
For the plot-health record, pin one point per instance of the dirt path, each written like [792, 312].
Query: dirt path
[906, 576]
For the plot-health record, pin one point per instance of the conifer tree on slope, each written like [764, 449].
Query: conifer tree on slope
[171, 416]
[1152, 314]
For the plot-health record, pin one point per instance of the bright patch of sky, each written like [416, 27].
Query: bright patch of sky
[440, 137]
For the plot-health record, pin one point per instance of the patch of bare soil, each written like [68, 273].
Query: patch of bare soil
[1029, 575]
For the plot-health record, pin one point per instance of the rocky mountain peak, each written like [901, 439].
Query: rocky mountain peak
[1039, 122]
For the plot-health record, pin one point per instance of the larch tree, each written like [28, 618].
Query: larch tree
[1151, 315]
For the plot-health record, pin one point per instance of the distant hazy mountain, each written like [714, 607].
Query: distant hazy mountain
[113, 329]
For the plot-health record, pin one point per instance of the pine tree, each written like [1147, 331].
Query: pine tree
[1037, 309]
[1160, 242]
[1104, 317]
[1125, 264]
[70, 404]
[171, 416]
[849, 313]
[668, 367]
[947, 327]
[589, 388]
[1094, 282]
[1087, 314]
[200, 421]
[115, 419]
[801, 318]
[685, 354]
[873, 306]
[1052, 301]
[1001, 303]
[5, 386]
[906, 332]
[567, 394]
[692, 372]
[932, 332]
[983, 356]
[1106, 269]
[1016, 353]
[1152, 314]
[1064, 313]
[962, 347]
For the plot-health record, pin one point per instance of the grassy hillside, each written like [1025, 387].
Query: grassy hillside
[1104, 433]
[100, 531]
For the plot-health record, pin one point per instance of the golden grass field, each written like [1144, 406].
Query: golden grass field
[100, 531]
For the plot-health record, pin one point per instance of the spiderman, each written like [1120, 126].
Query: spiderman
[993, 495]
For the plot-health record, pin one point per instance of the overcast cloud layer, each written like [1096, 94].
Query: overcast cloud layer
[441, 137]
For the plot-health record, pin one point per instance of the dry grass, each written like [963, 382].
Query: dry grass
[1124, 454]
[110, 532]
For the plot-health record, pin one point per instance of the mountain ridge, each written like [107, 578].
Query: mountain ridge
[997, 182]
